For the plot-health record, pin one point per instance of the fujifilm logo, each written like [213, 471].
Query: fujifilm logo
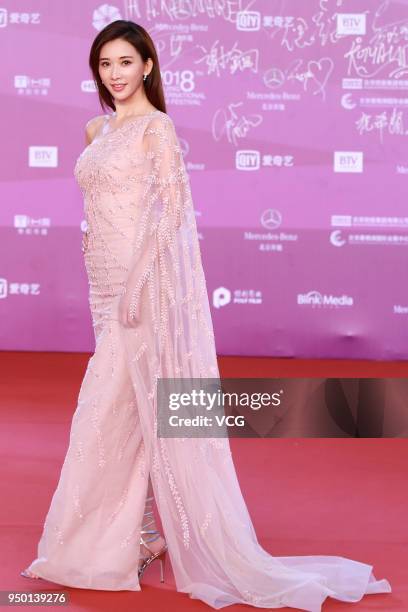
[322, 300]
[351, 24]
[247, 160]
[348, 161]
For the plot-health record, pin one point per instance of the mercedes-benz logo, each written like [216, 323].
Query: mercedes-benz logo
[271, 218]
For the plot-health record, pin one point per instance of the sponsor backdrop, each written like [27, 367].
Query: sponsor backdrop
[293, 118]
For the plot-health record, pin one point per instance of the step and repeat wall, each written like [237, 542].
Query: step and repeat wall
[293, 119]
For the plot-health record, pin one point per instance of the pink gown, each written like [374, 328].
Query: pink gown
[143, 243]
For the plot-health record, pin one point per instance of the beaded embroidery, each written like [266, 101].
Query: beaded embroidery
[142, 247]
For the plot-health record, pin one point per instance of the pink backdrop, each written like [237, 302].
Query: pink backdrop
[294, 126]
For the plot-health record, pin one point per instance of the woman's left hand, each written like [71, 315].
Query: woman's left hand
[124, 312]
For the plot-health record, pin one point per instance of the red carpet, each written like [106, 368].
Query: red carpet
[306, 496]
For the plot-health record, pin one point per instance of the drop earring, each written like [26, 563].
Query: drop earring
[144, 77]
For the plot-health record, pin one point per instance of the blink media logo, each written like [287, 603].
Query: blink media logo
[323, 300]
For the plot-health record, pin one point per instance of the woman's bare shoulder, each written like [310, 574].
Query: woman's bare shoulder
[92, 127]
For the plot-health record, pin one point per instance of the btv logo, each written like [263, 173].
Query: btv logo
[43, 157]
[351, 24]
[221, 297]
[348, 161]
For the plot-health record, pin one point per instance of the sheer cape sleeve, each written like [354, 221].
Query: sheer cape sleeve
[214, 551]
[166, 294]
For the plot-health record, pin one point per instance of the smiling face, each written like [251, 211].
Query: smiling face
[121, 68]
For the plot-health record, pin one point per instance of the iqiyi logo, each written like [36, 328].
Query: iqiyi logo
[3, 17]
[248, 21]
[221, 297]
[247, 159]
[3, 288]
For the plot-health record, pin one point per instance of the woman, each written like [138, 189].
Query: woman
[152, 320]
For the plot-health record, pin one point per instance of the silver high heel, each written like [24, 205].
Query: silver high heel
[161, 554]
[28, 574]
